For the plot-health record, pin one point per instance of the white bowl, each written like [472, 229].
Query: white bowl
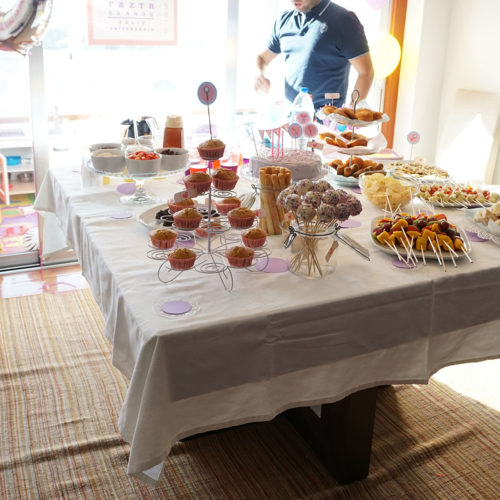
[143, 167]
[176, 161]
[105, 145]
[112, 161]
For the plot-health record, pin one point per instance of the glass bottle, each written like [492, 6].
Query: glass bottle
[173, 136]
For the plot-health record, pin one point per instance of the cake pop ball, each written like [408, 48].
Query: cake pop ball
[342, 211]
[313, 198]
[331, 197]
[354, 206]
[303, 186]
[326, 213]
[292, 202]
[306, 212]
[344, 195]
[322, 186]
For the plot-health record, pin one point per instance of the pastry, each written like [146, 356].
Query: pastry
[224, 179]
[213, 149]
[163, 238]
[199, 181]
[254, 238]
[240, 256]
[176, 206]
[364, 114]
[227, 204]
[188, 218]
[241, 218]
[181, 259]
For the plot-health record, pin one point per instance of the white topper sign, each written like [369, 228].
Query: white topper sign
[131, 22]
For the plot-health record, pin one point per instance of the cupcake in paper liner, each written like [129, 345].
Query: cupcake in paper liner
[211, 150]
[181, 259]
[163, 238]
[189, 218]
[240, 256]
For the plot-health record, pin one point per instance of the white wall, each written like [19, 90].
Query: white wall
[451, 46]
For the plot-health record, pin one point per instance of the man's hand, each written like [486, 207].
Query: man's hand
[262, 84]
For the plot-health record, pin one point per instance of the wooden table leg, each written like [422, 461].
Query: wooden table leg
[342, 436]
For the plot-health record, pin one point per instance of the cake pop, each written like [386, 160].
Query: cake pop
[322, 186]
[306, 212]
[331, 197]
[326, 213]
[342, 211]
[354, 205]
[292, 202]
[303, 186]
[313, 198]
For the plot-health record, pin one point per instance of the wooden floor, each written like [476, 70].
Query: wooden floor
[54, 280]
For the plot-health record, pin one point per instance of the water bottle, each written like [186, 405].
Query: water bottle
[302, 103]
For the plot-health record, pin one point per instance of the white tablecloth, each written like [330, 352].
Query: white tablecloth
[276, 341]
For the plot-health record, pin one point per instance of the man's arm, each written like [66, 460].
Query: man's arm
[363, 66]
[261, 82]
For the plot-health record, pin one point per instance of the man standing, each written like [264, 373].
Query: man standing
[320, 40]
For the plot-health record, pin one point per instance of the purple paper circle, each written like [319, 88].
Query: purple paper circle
[474, 237]
[356, 190]
[272, 265]
[184, 244]
[126, 188]
[207, 93]
[176, 307]
[121, 215]
[402, 264]
[350, 223]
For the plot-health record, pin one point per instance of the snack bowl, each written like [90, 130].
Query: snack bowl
[384, 191]
[104, 145]
[144, 166]
[173, 158]
[110, 160]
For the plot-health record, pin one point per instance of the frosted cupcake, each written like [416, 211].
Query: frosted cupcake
[181, 259]
[241, 218]
[227, 204]
[163, 238]
[224, 179]
[189, 218]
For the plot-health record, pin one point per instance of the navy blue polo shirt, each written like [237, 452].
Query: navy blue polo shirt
[317, 47]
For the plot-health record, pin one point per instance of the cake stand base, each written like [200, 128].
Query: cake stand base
[140, 197]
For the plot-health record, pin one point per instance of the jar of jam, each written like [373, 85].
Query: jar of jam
[173, 136]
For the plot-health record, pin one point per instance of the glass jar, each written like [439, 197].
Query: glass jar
[173, 135]
[311, 254]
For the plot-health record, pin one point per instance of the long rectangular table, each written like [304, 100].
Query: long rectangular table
[277, 341]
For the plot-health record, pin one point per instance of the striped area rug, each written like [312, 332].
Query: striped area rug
[59, 404]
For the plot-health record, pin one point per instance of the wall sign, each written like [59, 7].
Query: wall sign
[131, 22]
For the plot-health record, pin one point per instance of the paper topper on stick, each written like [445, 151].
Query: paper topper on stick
[310, 130]
[295, 130]
[413, 137]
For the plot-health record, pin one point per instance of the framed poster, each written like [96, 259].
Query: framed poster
[131, 22]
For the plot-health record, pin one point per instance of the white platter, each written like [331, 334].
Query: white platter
[340, 179]
[428, 254]
[343, 120]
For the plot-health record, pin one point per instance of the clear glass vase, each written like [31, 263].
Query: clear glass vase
[312, 254]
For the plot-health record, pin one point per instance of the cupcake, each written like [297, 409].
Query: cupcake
[240, 256]
[163, 238]
[199, 181]
[254, 238]
[214, 225]
[241, 218]
[224, 179]
[181, 259]
[211, 150]
[227, 204]
[176, 206]
[189, 218]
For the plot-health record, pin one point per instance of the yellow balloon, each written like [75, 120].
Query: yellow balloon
[385, 54]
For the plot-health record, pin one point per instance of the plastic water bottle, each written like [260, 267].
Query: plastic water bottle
[302, 103]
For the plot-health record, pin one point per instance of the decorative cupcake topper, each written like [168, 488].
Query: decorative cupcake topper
[207, 93]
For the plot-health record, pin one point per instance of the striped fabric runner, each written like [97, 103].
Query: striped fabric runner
[60, 398]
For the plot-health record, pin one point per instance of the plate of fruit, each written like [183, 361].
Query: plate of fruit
[420, 237]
